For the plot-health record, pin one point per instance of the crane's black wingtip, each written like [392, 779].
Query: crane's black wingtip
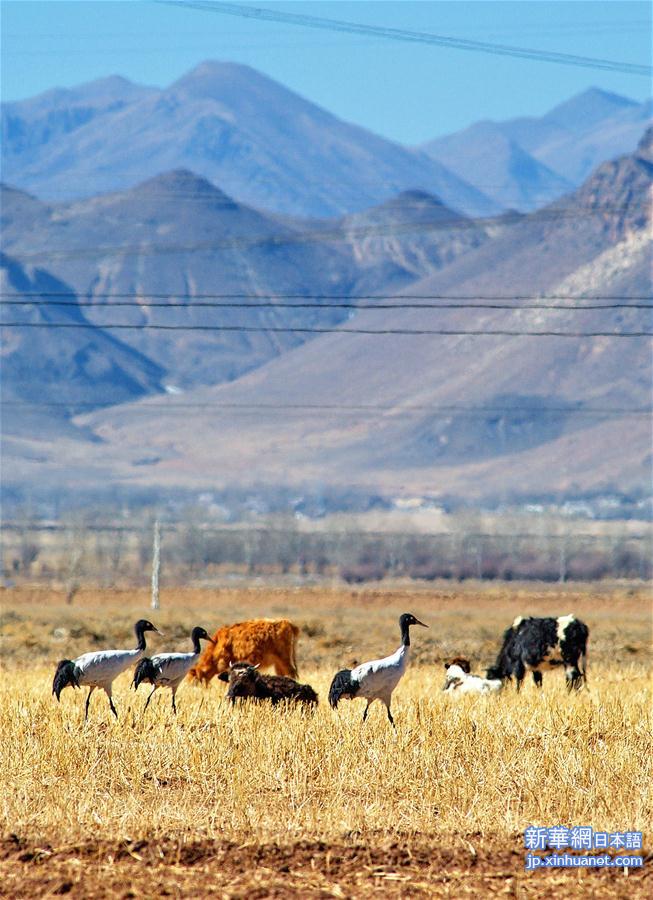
[144, 671]
[65, 675]
[342, 686]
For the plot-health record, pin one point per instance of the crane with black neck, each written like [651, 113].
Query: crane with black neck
[375, 680]
[99, 668]
[169, 669]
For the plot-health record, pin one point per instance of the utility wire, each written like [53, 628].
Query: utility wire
[447, 215]
[191, 304]
[273, 296]
[401, 34]
[314, 236]
[217, 199]
[300, 330]
[370, 409]
[557, 28]
[240, 529]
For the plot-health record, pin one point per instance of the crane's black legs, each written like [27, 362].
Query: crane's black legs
[149, 698]
[174, 706]
[113, 708]
[367, 708]
[90, 691]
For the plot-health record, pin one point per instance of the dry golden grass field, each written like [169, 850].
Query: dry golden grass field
[255, 801]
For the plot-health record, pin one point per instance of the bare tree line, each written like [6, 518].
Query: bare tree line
[76, 553]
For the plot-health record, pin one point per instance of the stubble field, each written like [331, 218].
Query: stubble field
[258, 802]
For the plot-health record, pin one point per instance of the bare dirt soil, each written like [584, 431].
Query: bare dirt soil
[470, 867]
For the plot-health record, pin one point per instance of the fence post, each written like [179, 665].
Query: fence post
[562, 561]
[156, 565]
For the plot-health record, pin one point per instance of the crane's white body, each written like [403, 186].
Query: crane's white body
[379, 678]
[172, 668]
[99, 669]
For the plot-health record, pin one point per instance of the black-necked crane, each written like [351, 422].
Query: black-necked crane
[375, 680]
[98, 669]
[169, 669]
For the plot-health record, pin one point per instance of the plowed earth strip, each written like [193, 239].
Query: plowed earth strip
[413, 867]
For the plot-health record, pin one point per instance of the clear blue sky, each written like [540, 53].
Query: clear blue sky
[406, 92]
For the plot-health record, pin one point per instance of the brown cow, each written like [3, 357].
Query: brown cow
[264, 642]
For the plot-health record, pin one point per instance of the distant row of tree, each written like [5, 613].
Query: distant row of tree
[192, 551]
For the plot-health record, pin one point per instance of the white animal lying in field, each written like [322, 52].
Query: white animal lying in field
[460, 682]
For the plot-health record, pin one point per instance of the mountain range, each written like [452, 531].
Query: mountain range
[268, 147]
[260, 142]
[95, 368]
[171, 331]
[474, 416]
[527, 162]
[478, 416]
[180, 247]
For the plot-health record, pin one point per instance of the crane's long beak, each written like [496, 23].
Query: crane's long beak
[212, 641]
[417, 622]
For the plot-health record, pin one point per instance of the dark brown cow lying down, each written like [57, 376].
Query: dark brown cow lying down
[246, 681]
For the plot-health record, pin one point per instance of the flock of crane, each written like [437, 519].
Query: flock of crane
[374, 680]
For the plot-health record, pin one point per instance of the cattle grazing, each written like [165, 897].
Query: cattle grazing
[536, 644]
[459, 681]
[262, 642]
[246, 681]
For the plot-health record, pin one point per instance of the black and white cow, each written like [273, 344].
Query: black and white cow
[532, 644]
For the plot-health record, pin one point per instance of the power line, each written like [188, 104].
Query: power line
[369, 409]
[306, 330]
[401, 34]
[272, 296]
[553, 27]
[218, 199]
[559, 29]
[191, 304]
[448, 216]
[224, 201]
[240, 530]
[315, 236]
